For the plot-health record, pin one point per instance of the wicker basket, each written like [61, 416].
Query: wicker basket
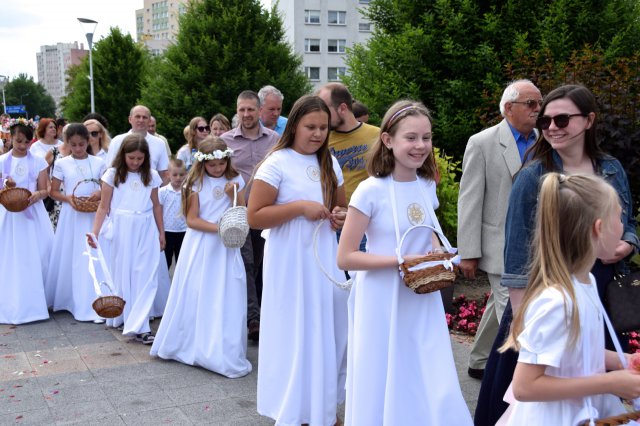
[83, 204]
[233, 226]
[15, 199]
[622, 419]
[438, 271]
[109, 306]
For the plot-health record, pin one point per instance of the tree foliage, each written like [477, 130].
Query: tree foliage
[33, 96]
[119, 69]
[448, 53]
[223, 48]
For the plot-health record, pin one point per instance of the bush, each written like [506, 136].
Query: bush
[447, 191]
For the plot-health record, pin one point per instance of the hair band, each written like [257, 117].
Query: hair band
[215, 155]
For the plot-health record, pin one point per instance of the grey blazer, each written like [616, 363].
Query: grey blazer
[490, 161]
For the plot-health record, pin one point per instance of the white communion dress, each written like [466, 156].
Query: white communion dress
[204, 323]
[134, 249]
[25, 247]
[303, 327]
[68, 279]
[400, 369]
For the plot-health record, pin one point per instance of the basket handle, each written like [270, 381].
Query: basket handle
[443, 239]
[103, 265]
[235, 194]
[341, 285]
[73, 193]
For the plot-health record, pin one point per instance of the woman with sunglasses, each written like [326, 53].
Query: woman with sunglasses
[198, 131]
[567, 144]
[98, 139]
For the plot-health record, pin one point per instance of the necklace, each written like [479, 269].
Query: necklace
[81, 169]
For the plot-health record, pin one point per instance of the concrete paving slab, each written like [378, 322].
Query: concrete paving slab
[217, 411]
[194, 394]
[172, 416]
[84, 412]
[129, 404]
[133, 387]
[57, 396]
[39, 417]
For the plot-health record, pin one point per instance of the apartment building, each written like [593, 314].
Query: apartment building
[53, 63]
[157, 23]
[321, 31]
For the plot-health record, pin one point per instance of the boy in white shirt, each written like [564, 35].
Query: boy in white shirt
[170, 197]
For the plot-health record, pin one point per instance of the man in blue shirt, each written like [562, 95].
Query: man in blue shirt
[271, 108]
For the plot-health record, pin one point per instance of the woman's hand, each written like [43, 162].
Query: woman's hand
[314, 211]
[623, 249]
[337, 218]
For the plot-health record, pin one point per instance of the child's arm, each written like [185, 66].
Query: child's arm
[194, 221]
[41, 186]
[263, 213]
[530, 383]
[612, 361]
[350, 258]
[339, 212]
[56, 194]
[157, 215]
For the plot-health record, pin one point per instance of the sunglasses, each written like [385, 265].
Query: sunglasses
[561, 120]
[531, 103]
[203, 128]
[95, 133]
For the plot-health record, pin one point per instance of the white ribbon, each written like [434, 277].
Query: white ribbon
[447, 263]
[103, 264]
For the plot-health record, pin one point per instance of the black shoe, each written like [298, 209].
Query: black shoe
[476, 373]
[254, 330]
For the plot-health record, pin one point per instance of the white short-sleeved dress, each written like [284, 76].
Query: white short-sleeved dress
[25, 247]
[400, 367]
[204, 323]
[68, 283]
[303, 326]
[544, 341]
[40, 149]
[134, 248]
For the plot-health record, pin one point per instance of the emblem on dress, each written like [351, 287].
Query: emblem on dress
[415, 214]
[20, 170]
[136, 185]
[81, 169]
[314, 173]
[218, 192]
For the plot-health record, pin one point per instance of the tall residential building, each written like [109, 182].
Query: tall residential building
[53, 63]
[157, 23]
[321, 30]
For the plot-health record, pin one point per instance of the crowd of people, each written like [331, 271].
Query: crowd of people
[542, 210]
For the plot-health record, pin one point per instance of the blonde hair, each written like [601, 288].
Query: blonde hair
[381, 162]
[105, 139]
[568, 207]
[191, 136]
[197, 171]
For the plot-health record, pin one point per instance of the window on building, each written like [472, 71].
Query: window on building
[364, 1]
[336, 73]
[337, 17]
[364, 27]
[313, 73]
[336, 45]
[311, 45]
[311, 16]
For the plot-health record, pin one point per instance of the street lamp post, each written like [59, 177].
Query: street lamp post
[3, 82]
[90, 24]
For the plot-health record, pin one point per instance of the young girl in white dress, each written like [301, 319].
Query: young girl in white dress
[204, 321]
[558, 328]
[135, 232]
[400, 368]
[304, 316]
[68, 278]
[25, 237]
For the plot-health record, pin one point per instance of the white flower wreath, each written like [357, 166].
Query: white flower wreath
[215, 155]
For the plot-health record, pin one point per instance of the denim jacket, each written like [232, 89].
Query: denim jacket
[520, 222]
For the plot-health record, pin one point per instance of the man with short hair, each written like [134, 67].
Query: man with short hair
[139, 120]
[271, 108]
[152, 131]
[491, 159]
[250, 142]
[349, 139]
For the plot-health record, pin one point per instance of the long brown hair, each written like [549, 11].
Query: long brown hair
[197, 171]
[381, 161]
[303, 106]
[568, 207]
[131, 143]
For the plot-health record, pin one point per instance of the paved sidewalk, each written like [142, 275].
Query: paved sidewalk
[62, 371]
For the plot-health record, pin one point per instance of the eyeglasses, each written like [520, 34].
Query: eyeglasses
[561, 120]
[531, 103]
[95, 133]
[203, 128]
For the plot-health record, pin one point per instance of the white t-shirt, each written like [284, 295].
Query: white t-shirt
[40, 149]
[171, 200]
[157, 150]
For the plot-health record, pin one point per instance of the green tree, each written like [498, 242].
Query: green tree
[119, 69]
[32, 95]
[223, 48]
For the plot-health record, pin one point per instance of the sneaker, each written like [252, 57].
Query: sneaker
[254, 330]
[98, 321]
[145, 338]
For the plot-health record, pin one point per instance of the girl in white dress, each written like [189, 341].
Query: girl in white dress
[135, 232]
[25, 237]
[558, 328]
[68, 280]
[304, 316]
[204, 321]
[400, 367]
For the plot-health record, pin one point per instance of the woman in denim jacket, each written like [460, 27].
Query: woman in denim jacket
[567, 143]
